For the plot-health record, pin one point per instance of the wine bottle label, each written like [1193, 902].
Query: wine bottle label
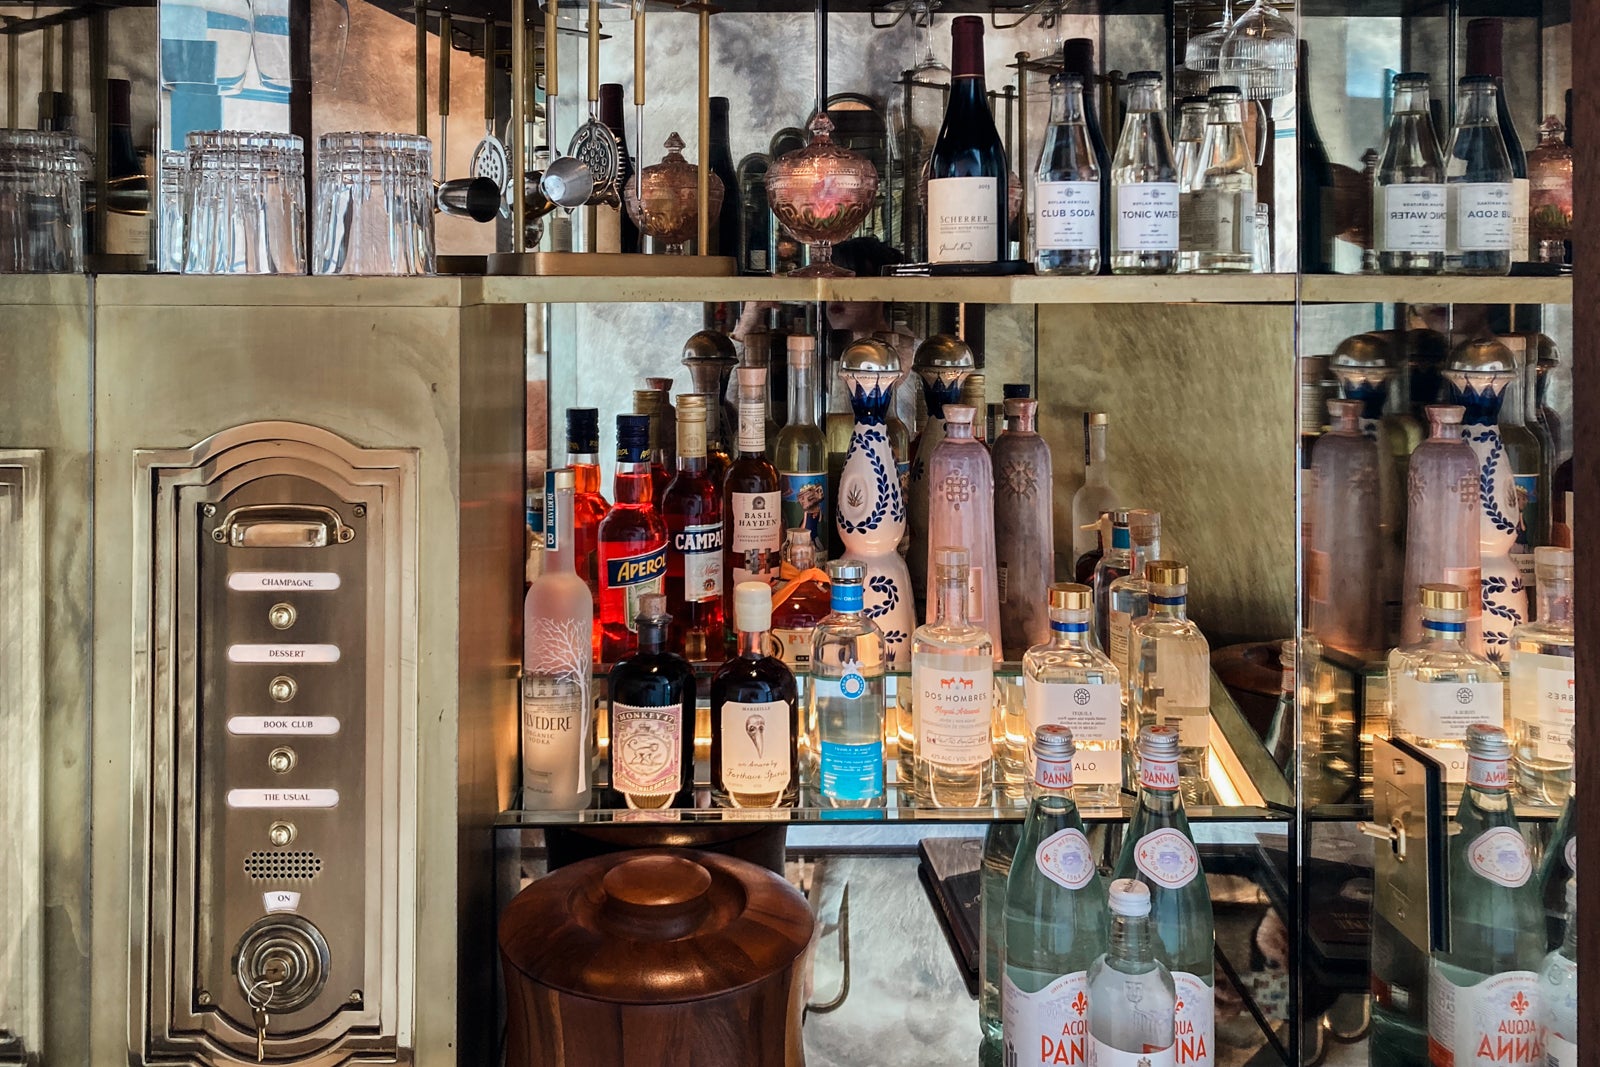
[1047, 1027]
[756, 746]
[1501, 855]
[701, 549]
[1222, 222]
[963, 226]
[1494, 1023]
[1544, 685]
[1092, 712]
[1520, 235]
[646, 750]
[1167, 858]
[1147, 217]
[1194, 1020]
[805, 504]
[1066, 858]
[1443, 711]
[1104, 1055]
[127, 233]
[1558, 1051]
[850, 772]
[1066, 216]
[1482, 214]
[1414, 217]
[555, 760]
[955, 700]
[794, 648]
[755, 522]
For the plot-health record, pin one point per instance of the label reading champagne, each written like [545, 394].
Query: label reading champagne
[1066, 216]
[953, 710]
[1147, 217]
[1482, 213]
[1413, 219]
[1491, 1024]
[1194, 1021]
[963, 226]
[646, 750]
[756, 747]
[1050, 1026]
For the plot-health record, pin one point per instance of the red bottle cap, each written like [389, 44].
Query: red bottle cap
[966, 46]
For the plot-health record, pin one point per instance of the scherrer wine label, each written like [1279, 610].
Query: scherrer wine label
[962, 227]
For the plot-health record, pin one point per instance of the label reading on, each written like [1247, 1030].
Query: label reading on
[756, 747]
[1066, 216]
[646, 750]
[1066, 858]
[851, 772]
[1501, 855]
[1147, 217]
[1167, 858]
[283, 725]
[1483, 216]
[283, 798]
[1491, 1024]
[1092, 712]
[954, 702]
[282, 581]
[1194, 1020]
[701, 550]
[283, 653]
[1413, 219]
[1047, 1027]
[963, 222]
[755, 522]
[280, 900]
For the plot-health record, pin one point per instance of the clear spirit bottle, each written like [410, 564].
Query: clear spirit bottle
[1280, 733]
[557, 709]
[754, 713]
[999, 850]
[1055, 916]
[846, 697]
[1438, 688]
[952, 693]
[1068, 682]
[1172, 674]
[1097, 494]
[651, 731]
[1483, 993]
[1066, 191]
[1159, 851]
[1128, 598]
[1558, 993]
[1221, 204]
[1542, 691]
[1116, 562]
[1479, 183]
[1144, 184]
[1185, 149]
[802, 451]
[1132, 996]
[1409, 203]
[961, 512]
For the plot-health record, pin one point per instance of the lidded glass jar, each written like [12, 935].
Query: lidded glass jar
[665, 201]
[820, 194]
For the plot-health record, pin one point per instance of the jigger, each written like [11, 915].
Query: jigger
[568, 181]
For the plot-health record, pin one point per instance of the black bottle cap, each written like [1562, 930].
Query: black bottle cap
[119, 102]
[633, 438]
[583, 431]
[1015, 391]
[1077, 56]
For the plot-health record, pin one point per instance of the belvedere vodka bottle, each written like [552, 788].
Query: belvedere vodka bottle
[1558, 994]
[1483, 994]
[1171, 672]
[846, 695]
[1055, 917]
[1144, 231]
[1069, 682]
[952, 689]
[1159, 851]
[1132, 996]
[1542, 689]
[1408, 204]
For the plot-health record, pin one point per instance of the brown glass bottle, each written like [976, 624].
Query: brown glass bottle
[651, 708]
[754, 702]
[751, 501]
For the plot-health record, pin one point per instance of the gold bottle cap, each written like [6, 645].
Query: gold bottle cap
[646, 402]
[692, 407]
[1096, 418]
[564, 478]
[951, 561]
[1166, 572]
[1070, 596]
[1441, 597]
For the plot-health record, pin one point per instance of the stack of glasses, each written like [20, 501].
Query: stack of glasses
[41, 202]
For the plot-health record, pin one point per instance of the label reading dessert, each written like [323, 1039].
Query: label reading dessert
[1047, 1027]
[1491, 1024]
[646, 750]
[757, 747]
[700, 547]
[954, 702]
[1167, 858]
[1194, 1020]
[1501, 855]
[963, 220]
[755, 522]
[1066, 859]
[1444, 710]
[1066, 216]
[1413, 219]
[1147, 217]
[1092, 712]
[554, 749]
[1483, 216]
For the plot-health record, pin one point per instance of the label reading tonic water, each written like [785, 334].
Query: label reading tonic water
[1194, 1020]
[1047, 1027]
[1483, 216]
[756, 746]
[1147, 217]
[1066, 858]
[1500, 855]
[1167, 858]
[954, 702]
[962, 222]
[1413, 219]
[1491, 1024]
[1066, 216]
[1093, 714]
[646, 750]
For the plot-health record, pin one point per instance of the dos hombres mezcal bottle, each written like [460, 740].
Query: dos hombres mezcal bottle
[1132, 996]
[1067, 681]
[952, 689]
[846, 696]
[1055, 917]
[1543, 694]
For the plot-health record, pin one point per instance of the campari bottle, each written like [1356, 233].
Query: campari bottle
[1132, 997]
[1483, 994]
[1159, 851]
[692, 510]
[1055, 916]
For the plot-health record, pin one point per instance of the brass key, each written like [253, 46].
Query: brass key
[261, 1018]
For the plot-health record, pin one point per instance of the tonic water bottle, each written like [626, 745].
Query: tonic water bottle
[1132, 999]
[1144, 231]
[1410, 213]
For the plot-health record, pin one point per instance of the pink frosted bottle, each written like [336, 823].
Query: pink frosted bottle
[961, 512]
[1442, 520]
[1346, 562]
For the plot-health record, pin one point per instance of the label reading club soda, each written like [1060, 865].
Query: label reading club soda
[1167, 858]
[1492, 1024]
[1050, 1026]
[1066, 859]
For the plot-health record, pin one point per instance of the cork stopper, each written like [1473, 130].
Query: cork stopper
[752, 607]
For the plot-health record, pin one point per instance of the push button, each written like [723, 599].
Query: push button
[282, 689]
[282, 616]
[281, 760]
[281, 834]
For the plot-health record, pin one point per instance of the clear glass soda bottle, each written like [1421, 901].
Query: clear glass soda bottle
[1144, 231]
[1409, 204]
[1479, 179]
[1066, 191]
[1222, 188]
[1132, 996]
[1558, 993]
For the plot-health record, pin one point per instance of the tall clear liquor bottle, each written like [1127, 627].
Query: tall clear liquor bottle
[1024, 538]
[1442, 518]
[1558, 993]
[1096, 494]
[1172, 673]
[751, 495]
[557, 624]
[589, 505]
[1132, 997]
[846, 698]
[968, 210]
[1116, 562]
[1543, 701]
[633, 541]
[961, 512]
[1486, 57]
[1185, 150]
[1409, 206]
[1066, 191]
[1438, 688]
[1067, 681]
[802, 455]
[1145, 184]
[1128, 599]
[754, 706]
[692, 511]
[999, 849]
[650, 701]
[1222, 188]
[1077, 57]
[1055, 917]
[1479, 180]
[1483, 993]
[952, 692]
[1159, 851]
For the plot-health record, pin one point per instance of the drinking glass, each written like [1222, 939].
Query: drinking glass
[1202, 55]
[41, 202]
[1260, 52]
[269, 41]
[244, 203]
[172, 181]
[374, 204]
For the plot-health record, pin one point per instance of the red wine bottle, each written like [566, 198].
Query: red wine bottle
[967, 201]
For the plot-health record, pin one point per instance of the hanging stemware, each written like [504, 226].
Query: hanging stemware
[1260, 52]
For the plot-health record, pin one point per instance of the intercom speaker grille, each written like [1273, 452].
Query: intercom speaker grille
[263, 866]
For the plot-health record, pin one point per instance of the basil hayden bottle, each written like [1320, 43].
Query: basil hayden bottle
[968, 202]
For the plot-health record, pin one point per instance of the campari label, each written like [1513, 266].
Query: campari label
[1103, 1055]
[1048, 1027]
[1194, 1020]
[1501, 855]
[1167, 858]
[953, 709]
[701, 550]
[1494, 1023]
[1066, 859]
[1414, 217]
[646, 750]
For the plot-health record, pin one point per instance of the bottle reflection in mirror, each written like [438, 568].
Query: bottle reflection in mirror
[1442, 522]
[1485, 58]
[999, 852]
[1543, 692]
[1221, 185]
[1478, 179]
[1550, 193]
[1345, 570]
[1409, 203]
[1171, 675]
[1098, 493]
[1185, 150]
[1558, 992]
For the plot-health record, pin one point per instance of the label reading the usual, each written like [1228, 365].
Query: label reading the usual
[805, 505]
[755, 522]
[851, 772]
[1147, 217]
[1194, 1020]
[1167, 858]
[1092, 712]
[1103, 1055]
[756, 746]
[1047, 1027]
[1414, 218]
[1066, 216]
[283, 798]
[963, 220]
[1482, 214]
[646, 750]
[701, 550]
[954, 704]
[1501, 855]
[1066, 858]
[1494, 1023]
[1443, 711]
